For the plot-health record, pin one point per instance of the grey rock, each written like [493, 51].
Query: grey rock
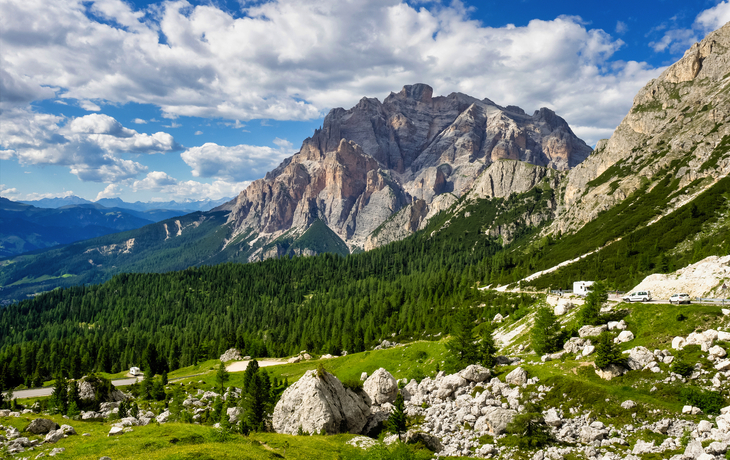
[231, 354]
[41, 426]
[449, 384]
[495, 420]
[54, 436]
[592, 331]
[115, 431]
[317, 403]
[517, 377]
[56, 451]
[475, 373]
[694, 449]
[639, 357]
[381, 387]
[431, 442]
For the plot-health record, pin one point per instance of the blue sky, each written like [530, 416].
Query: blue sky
[176, 100]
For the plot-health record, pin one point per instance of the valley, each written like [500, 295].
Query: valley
[388, 291]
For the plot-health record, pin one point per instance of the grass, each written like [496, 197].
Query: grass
[175, 441]
[405, 361]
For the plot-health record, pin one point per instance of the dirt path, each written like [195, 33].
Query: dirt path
[240, 366]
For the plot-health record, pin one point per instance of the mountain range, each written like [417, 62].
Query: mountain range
[379, 172]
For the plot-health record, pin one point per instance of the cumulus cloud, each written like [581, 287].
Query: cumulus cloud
[155, 180]
[236, 163]
[294, 59]
[13, 194]
[110, 191]
[159, 181]
[677, 39]
[90, 146]
[139, 121]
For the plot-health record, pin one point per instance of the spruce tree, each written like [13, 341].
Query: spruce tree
[487, 347]
[607, 352]
[462, 350]
[222, 376]
[397, 420]
[590, 314]
[546, 334]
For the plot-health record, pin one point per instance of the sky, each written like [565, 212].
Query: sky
[178, 100]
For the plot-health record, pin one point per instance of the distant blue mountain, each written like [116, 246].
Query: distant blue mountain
[185, 206]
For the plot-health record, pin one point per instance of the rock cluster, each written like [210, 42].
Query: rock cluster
[231, 354]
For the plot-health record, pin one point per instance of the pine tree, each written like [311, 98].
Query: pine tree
[487, 348]
[59, 397]
[608, 352]
[398, 420]
[546, 334]
[222, 376]
[462, 350]
[590, 314]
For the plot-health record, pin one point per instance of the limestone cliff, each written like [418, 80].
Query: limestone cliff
[412, 151]
[675, 127]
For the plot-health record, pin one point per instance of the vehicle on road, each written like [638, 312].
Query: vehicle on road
[638, 296]
[679, 298]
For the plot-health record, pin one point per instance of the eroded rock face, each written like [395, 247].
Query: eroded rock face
[682, 113]
[381, 387]
[370, 161]
[315, 403]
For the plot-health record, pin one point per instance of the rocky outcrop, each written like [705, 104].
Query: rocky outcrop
[231, 355]
[682, 114]
[317, 403]
[369, 162]
[381, 387]
[41, 426]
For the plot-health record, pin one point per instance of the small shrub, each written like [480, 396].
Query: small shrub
[477, 389]
[682, 368]
[416, 374]
[709, 401]
[353, 384]
[681, 317]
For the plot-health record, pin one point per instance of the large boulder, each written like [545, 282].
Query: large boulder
[494, 421]
[475, 373]
[449, 384]
[381, 387]
[592, 331]
[517, 377]
[41, 426]
[320, 402]
[231, 355]
[612, 371]
[639, 357]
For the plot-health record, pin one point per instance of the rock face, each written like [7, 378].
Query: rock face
[412, 151]
[684, 113]
[315, 403]
[41, 426]
[381, 387]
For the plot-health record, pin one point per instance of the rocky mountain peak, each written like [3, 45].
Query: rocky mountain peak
[412, 150]
[675, 126]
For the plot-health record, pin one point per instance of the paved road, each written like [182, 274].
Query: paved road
[46, 391]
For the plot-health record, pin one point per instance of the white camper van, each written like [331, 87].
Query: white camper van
[582, 287]
[135, 371]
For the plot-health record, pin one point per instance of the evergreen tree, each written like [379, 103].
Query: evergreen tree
[150, 360]
[590, 314]
[546, 335]
[608, 352]
[462, 350]
[528, 429]
[59, 398]
[487, 347]
[222, 376]
[176, 405]
[397, 420]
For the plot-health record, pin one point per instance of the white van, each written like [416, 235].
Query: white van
[638, 296]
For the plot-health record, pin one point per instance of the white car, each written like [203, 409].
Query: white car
[638, 296]
[679, 298]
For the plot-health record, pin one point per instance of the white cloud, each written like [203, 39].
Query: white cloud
[110, 191]
[676, 40]
[715, 17]
[621, 27]
[198, 133]
[161, 182]
[294, 59]
[89, 106]
[15, 195]
[139, 121]
[237, 163]
[155, 180]
[90, 146]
